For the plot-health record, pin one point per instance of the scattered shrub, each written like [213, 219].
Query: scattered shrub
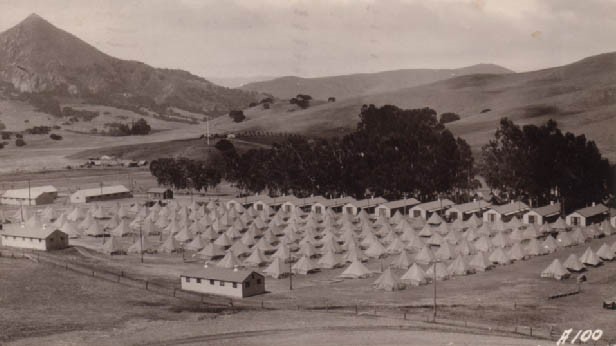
[2, 126]
[448, 118]
[39, 130]
[237, 116]
[20, 142]
[55, 137]
[485, 110]
[19, 135]
[6, 135]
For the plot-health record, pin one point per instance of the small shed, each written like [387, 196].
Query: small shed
[43, 238]
[160, 193]
[390, 208]
[586, 216]
[465, 210]
[221, 281]
[425, 210]
[546, 214]
[505, 212]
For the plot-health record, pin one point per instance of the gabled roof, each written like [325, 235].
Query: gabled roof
[33, 193]
[548, 210]
[434, 205]
[510, 208]
[592, 210]
[284, 199]
[252, 199]
[221, 274]
[471, 206]
[36, 233]
[368, 202]
[310, 201]
[409, 202]
[336, 202]
[106, 190]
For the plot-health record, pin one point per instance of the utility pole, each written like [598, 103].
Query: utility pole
[290, 273]
[434, 281]
[101, 184]
[29, 194]
[141, 242]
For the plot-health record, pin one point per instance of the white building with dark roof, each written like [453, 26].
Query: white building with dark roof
[30, 196]
[546, 214]
[465, 210]
[98, 194]
[334, 204]
[368, 204]
[225, 282]
[425, 210]
[505, 212]
[390, 208]
[44, 238]
[586, 216]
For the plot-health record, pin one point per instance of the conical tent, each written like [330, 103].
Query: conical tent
[555, 271]
[256, 258]
[533, 248]
[480, 262]
[465, 248]
[445, 252]
[355, 270]
[403, 261]
[415, 276]
[396, 246]
[277, 269]
[441, 271]
[304, 266]
[59, 222]
[590, 258]
[483, 244]
[517, 253]
[230, 261]
[195, 244]
[48, 214]
[387, 281]
[415, 244]
[142, 245]
[436, 239]
[69, 228]
[559, 224]
[375, 250]
[113, 247]
[459, 267]
[121, 230]
[474, 221]
[549, 244]
[94, 230]
[113, 222]
[169, 246]
[427, 231]
[223, 241]
[573, 263]
[75, 214]
[329, 260]
[605, 253]
[184, 235]
[418, 223]
[425, 256]
[354, 253]
[531, 232]
[499, 256]
[501, 240]
[211, 251]
[239, 249]
[577, 236]
[434, 219]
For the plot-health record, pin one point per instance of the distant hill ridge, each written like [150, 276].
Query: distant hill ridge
[37, 57]
[361, 84]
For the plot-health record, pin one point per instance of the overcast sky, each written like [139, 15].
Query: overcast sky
[232, 38]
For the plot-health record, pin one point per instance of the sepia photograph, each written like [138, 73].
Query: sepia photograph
[308, 172]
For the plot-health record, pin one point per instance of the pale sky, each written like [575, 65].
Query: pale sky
[239, 38]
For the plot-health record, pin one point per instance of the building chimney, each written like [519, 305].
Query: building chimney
[235, 268]
[205, 266]
[594, 204]
[551, 202]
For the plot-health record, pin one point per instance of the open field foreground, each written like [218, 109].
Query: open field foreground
[64, 308]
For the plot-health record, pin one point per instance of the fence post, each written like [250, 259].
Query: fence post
[405, 315]
[356, 309]
[531, 330]
[261, 304]
[174, 291]
[146, 285]
[93, 273]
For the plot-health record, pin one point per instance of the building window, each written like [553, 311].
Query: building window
[453, 215]
[258, 281]
[198, 280]
[211, 282]
[349, 210]
[187, 279]
[40, 240]
[531, 219]
[222, 283]
[575, 221]
[247, 284]
[51, 239]
[416, 213]
[234, 285]
[492, 217]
